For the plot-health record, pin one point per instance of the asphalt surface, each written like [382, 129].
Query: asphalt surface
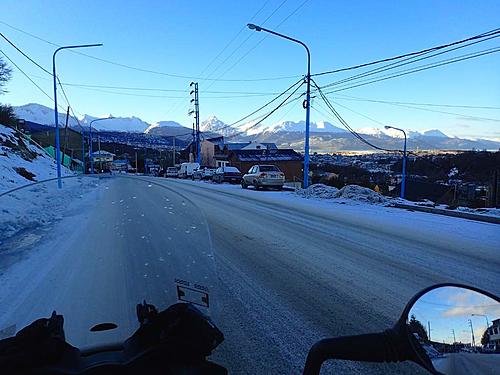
[280, 276]
[468, 363]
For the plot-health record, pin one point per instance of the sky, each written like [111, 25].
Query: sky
[449, 309]
[207, 41]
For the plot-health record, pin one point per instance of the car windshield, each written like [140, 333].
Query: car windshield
[303, 167]
[269, 168]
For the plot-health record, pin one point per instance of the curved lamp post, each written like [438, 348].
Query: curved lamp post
[90, 141]
[307, 104]
[56, 114]
[403, 173]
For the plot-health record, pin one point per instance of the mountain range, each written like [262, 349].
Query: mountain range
[324, 136]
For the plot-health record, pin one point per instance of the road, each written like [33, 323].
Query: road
[282, 273]
[468, 363]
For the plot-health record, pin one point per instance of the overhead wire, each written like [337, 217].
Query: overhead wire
[281, 104]
[482, 35]
[404, 62]
[346, 125]
[418, 69]
[151, 71]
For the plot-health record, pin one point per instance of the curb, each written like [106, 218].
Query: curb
[440, 211]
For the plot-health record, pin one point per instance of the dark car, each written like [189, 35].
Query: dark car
[227, 174]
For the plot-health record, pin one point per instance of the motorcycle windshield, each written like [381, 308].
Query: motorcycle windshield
[94, 249]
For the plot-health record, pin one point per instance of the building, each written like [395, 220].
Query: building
[211, 147]
[103, 159]
[288, 160]
[494, 333]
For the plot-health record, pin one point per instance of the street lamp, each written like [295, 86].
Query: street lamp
[90, 141]
[56, 114]
[403, 177]
[307, 103]
[485, 316]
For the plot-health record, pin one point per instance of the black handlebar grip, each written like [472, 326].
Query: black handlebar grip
[386, 346]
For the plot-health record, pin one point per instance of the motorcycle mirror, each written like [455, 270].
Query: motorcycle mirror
[454, 329]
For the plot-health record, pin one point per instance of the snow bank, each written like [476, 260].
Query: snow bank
[22, 163]
[318, 191]
[349, 192]
[37, 206]
[359, 193]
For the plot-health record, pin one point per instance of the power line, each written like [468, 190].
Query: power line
[407, 54]
[234, 38]
[424, 67]
[407, 61]
[261, 40]
[430, 110]
[348, 97]
[268, 103]
[268, 114]
[346, 125]
[27, 76]
[25, 55]
[172, 75]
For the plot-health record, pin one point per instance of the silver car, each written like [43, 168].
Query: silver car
[262, 176]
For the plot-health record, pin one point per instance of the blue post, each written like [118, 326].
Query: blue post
[56, 119]
[83, 150]
[90, 150]
[403, 177]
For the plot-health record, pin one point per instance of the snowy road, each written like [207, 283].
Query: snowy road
[287, 271]
[294, 270]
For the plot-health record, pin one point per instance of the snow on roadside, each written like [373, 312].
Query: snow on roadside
[34, 208]
[22, 163]
[347, 193]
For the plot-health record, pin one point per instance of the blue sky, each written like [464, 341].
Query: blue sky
[183, 38]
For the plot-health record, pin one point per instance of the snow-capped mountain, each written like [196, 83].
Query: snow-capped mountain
[380, 133]
[300, 126]
[163, 124]
[434, 133]
[42, 115]
[126, 124]
[213, 125]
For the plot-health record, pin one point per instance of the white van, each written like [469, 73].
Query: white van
[186, 170]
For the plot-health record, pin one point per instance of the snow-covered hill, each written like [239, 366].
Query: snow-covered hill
[22, 163]
[213, 125]
[163, 124]
[126, 124]
[41, 114]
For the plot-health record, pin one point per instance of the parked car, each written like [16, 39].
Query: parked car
[203, 173]
[262, 176]
[186, 170]
[227, 174]
[171, 172]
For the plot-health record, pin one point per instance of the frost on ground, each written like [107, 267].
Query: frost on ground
[27, 214]
[22, 163]
[349, 192]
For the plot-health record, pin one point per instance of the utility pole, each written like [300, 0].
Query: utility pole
[99, 148]
[429, 329]
[173, 152]
[454, 338]
[65, 135]
[196, 125]
[472, 332]
[136, 165]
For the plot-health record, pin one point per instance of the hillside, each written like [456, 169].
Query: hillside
[22, 163]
